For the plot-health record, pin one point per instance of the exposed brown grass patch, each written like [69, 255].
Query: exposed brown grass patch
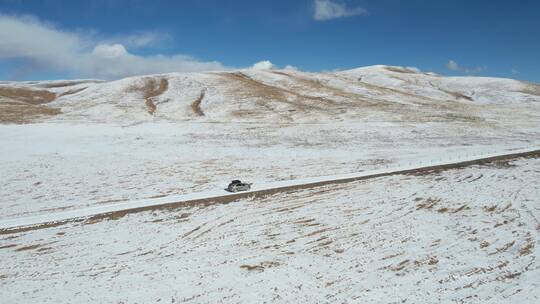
[528, 247]
[443, 210]
[20, 113]
[427, 204]
[324, 244]
[307, 222]
[432, 261]
[509, 276]
[463, 207]
[455, 94]
[27, 96]
[151, 106]
[44, 249]
[349, 99]
[252, 267]
[438, 111]
[391, 256]
[532, 89]
[490, 208]
[260, 267]
[252, 88]
[8, 246]
[339, 101]
[23, 105]
[500, 223]
[67, 83]
[462, 117]
[25, 248]
[320, 231]
[196, 105]
[151, 88]
[430, 203]
[71, 92]
[400, 266]
[191, 231]
[508, 206]
[393, 91]
[400, 70]
[504, 247]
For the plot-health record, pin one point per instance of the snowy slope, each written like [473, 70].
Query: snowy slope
[459, 236]
[282, 96]
[98, 143]
[36, 222]
[432, 86]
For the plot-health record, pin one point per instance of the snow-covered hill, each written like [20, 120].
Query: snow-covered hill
[368, 93]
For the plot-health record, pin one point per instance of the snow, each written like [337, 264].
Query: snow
[486, 90]
[263, 126]
[71, 166]
[258, 189]
[461, 235]
[286, 95]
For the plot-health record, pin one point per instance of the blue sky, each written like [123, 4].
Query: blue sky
[112, 39]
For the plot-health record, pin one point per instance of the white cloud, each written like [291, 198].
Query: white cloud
[263, 65]
[327, 10]
[140, 40]
[514, 71]
[146, 39]
[41, 46]
[109, 51]
[454, 66]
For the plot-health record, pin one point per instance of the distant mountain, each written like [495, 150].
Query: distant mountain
[371, 93]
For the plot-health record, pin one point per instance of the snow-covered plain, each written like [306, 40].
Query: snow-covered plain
[458, 236]
[12, 225]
